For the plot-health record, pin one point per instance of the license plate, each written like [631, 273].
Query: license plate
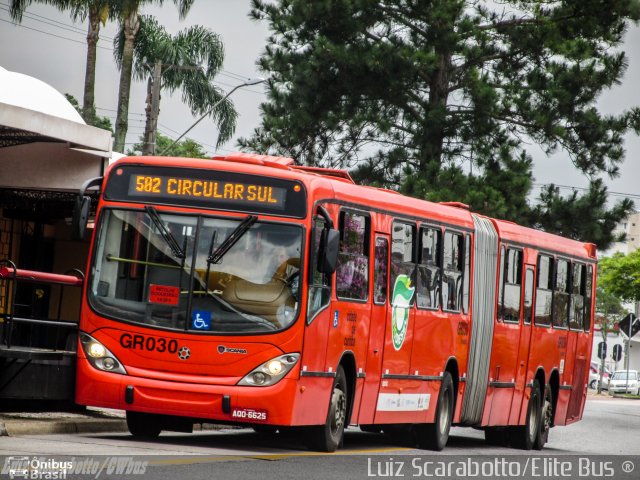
[249, 414]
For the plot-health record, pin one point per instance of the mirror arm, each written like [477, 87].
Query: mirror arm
[324, 214]
[92, 182]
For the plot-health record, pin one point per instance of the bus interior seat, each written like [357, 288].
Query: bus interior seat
[259, 299]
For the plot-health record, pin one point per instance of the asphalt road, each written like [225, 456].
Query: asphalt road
[610, 428]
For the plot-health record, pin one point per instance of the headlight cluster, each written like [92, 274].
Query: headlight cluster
[99, 356]
[270, 372]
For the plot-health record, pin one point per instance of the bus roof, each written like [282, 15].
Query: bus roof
[512, 232]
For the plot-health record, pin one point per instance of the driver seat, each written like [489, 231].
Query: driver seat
[286, 269]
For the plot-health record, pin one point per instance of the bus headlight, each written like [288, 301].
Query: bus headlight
[271, 372]
[99, 356]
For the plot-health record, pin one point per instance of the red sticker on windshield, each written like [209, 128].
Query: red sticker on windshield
[164, 294]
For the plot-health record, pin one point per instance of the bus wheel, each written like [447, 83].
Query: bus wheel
[328, 437]
[524, 437]
[143, 425]
[434, 436]
[546, 415]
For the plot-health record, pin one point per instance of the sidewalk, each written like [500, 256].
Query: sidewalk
[92, 420]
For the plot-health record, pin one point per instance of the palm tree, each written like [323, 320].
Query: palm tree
[130, 26]
[98, 12]
[188, 61]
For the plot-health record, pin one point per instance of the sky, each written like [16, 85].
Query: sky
[49, 46]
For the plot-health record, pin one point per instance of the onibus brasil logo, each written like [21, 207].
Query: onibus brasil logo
[402, 294]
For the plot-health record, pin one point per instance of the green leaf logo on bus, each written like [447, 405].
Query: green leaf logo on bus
[402, 294]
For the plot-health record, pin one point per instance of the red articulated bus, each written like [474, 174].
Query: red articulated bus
[251, 291]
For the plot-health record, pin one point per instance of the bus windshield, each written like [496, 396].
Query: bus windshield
[231, 275]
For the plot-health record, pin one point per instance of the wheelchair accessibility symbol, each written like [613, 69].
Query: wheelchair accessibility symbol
[201, 320]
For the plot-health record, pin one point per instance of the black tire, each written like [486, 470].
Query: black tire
[546, 418]
[328, 437]
[498, 436]
[143, 425]
[434, 436]
[593, 385]
[524, 437]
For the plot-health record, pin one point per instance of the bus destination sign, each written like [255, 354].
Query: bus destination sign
[207, 189]
[189, 188]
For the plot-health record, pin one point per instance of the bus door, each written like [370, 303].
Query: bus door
[506, 339]
[351, 310]
[524, 347]
[579, 342]
[397, 400]
[379, 307]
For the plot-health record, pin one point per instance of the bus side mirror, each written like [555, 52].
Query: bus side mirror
[328, 252]
[80, 217]
[82, 208]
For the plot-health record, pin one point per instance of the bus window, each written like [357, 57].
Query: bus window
[512, 286]
[561, 295]
[319, 283]
[429, 268]
[528, 295]
[380, 271]
[352, 274]
[403, 240]
[467, 274]
[452, 271]
[576, 311]
[544, 293]
[208, 296]
[588, 287]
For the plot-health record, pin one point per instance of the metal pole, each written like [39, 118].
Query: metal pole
[245, 84]
[631, 320]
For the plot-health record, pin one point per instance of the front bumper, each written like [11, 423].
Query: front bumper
[623, 389]
[200, 401]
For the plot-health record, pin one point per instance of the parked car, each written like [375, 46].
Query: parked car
[620, 384]
[594, 376]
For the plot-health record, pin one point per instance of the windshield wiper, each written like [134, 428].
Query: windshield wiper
[232, 239]
[165, 232]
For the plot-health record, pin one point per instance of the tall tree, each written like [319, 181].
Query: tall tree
[97, 12]
[438, 98]
[129, 11]
[187, 61]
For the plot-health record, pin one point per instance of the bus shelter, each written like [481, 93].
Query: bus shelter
[46, 152]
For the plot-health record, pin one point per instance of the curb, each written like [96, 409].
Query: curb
[11, 428]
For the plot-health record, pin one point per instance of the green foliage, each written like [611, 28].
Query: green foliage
[190, 61]
[438, 98]
[185, 148]
[609, 308]
[619, 275]
[595, 222]
[94, 120]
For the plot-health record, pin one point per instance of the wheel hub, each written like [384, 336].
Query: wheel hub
[339, 410]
